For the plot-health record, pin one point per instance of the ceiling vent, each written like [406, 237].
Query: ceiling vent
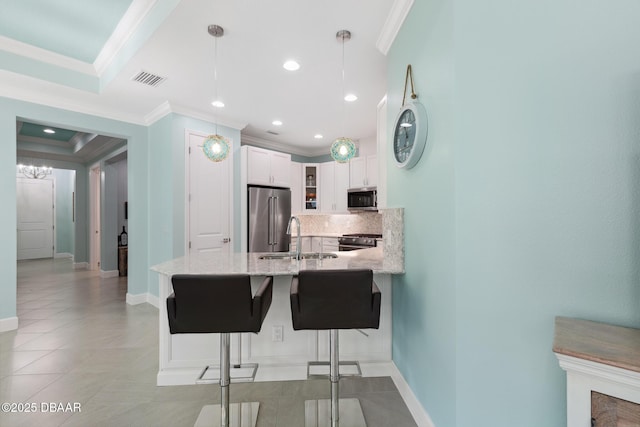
[272, 132]
[148, 79]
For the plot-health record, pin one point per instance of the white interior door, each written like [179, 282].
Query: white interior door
[94, 221]
[210, 203]
[35, 218]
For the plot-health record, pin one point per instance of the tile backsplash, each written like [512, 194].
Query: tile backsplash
[366, 222]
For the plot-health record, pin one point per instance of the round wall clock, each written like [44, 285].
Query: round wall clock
[410, 135]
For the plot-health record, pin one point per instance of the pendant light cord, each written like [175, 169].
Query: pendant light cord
[215, 81]
[344, 125]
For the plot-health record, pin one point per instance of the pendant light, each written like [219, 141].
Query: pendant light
[343, 149]
[216, 147]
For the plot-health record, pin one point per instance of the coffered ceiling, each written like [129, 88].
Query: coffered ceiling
[82, 56]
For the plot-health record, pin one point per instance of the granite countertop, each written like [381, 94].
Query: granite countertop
[218, 263]
[598, 342]
[293, 237]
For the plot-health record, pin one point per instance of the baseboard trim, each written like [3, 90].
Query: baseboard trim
[420, 415]
[63, 255]
[8, 324]
[109, 273]
[142, 298]
[80, 265]
[136, 299]
[153, 300]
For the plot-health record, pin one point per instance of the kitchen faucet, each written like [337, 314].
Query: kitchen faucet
[298, 243]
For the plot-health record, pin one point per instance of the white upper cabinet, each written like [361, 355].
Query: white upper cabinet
[364, 172]
[334, 181]
[266, 167]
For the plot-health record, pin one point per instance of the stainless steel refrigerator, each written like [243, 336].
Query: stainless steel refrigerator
[269, 213]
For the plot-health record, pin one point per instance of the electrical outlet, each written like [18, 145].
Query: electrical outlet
[276, 333]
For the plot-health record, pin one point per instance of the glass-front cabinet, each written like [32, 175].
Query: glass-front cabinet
[311, 180]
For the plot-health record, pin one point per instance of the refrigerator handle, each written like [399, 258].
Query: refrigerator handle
[276, 232]
[269, 221]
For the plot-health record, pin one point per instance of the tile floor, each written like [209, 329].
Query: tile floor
[79, 342]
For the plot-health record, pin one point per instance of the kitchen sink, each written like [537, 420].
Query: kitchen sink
[304, 255]
[318, 255]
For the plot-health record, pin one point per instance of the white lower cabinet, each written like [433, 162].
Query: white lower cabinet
[330, 244]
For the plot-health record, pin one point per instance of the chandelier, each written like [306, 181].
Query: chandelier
[35, 172]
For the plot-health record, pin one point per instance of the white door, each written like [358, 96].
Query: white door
[210, 199]
[94, 221]
[35, 218]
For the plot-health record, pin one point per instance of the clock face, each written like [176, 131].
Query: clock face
[405, 136]
[410, 135]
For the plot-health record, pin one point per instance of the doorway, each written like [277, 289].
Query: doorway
[209, 199]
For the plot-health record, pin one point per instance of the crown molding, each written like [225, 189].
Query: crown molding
[157, 113]
[392, 25]
[127, 26]
[35, 91]
[196, 114]
[42, 55]
[279, 146]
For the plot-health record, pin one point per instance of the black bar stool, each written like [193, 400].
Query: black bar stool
[333, 300]
[203, 304]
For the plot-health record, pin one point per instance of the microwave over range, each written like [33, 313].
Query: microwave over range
[362, 199]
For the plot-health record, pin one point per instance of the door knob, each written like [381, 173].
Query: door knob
[226, 240]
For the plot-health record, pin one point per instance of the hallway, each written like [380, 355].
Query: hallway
[78, 342]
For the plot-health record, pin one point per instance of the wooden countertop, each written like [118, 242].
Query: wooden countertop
[598, 342]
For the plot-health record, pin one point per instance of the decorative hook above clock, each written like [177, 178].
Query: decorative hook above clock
[411, 128]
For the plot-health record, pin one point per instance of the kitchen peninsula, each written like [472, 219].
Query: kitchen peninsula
[281, 352]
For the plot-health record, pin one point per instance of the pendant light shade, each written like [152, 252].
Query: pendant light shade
[343, 149]
[216, 148]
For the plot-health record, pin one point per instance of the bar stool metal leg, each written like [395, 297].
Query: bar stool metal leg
[334, 412]
[334, 377]
[224, 379]
[242, 414]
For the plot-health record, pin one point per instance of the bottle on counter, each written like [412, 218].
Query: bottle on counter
[123, 238]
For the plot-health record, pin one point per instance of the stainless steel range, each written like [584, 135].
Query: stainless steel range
[353, 242]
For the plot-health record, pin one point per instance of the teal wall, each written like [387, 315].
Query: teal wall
[424, 299]
[109, 217]
[65, 232]
[8, 251]
[526, 206]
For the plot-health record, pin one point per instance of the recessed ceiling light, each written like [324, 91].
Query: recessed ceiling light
[218, 104]
[317, 136]
[276, 123]
[49, 130]
[291, 65]
[350, 97]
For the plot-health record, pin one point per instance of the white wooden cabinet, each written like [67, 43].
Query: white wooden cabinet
[296, 188]
[364, 172]
[334, 181]
[266, 167]
[310, 185]
[330, 244]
